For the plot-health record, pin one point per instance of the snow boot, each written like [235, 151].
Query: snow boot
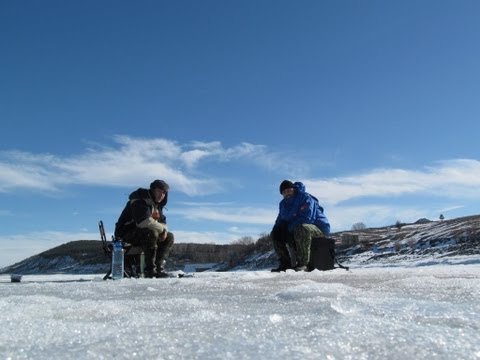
[284, 266]
[161, 272]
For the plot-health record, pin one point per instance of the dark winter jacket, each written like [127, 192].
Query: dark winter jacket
[302, 208]
[140, 207]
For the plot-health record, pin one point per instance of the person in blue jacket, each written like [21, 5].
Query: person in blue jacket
[300, 219]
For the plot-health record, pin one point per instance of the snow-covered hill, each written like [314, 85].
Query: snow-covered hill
[455, 240]
[424, 242]
[427, 242]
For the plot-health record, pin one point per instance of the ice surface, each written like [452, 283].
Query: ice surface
[366, 313]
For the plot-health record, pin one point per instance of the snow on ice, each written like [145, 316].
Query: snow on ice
[367, 313]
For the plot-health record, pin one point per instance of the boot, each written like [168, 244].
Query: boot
[161, 273]
[284, 266]
[150, 266]
[301, 268]
[163, 251]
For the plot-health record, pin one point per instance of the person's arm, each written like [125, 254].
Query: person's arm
[304, 213]
[278, 220]
[142, 214]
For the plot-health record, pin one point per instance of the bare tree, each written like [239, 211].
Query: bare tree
[264, 243]
[244, 240]
[359, 226]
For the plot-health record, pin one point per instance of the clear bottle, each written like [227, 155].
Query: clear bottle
[117, 260]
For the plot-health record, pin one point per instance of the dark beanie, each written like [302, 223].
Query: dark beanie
[159, 184]
[285, 185]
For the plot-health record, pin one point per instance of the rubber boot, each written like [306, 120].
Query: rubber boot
[284, 266]
[150, 264]
[163, 251]
[161, 273]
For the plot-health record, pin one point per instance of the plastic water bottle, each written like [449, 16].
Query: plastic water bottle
[117, 260]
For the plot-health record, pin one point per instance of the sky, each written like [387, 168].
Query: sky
[375, 313]
[373, 105]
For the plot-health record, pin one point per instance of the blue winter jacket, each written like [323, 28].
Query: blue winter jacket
[302, 208]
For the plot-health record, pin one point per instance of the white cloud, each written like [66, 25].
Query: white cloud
[205, 237]
[240, 215]
[23, 170]
[450, 208]
[260, 155]
[131, 161]
[192, 157]
[343, 217]
[340, 217]
[454, 178]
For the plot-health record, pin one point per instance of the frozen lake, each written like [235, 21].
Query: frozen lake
[367, 313]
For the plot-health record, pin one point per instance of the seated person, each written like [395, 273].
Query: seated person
[142, 223]
[300, 219]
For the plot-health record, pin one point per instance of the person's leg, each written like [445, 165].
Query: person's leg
[147, 238]
[303, 235]
[280, 237]
[163, 250]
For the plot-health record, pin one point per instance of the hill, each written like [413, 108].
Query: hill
[426, 240]
[430, 241]
[423, 242]
[88, 257]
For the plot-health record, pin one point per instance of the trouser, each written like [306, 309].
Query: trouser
[156, 251]
[299, 241]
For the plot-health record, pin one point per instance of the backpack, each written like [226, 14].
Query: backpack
[322, 255]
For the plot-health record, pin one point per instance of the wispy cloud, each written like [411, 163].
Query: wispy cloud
[257, 220]
[206, 237]
[128, 162]
[25, 170]
[131, 161]
[454, 179]
[235, 215]
[450, 208]
[260, 155]
[6, 212]
[343, 217]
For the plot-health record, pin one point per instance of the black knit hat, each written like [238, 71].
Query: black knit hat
[285, 185]
[159, 184]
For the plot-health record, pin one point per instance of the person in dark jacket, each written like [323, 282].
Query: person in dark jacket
[300, 219]
[142, 223]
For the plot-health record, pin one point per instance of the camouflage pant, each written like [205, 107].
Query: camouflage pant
[156, 251]
[299, 241]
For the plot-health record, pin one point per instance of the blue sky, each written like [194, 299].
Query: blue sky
[374, 105]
